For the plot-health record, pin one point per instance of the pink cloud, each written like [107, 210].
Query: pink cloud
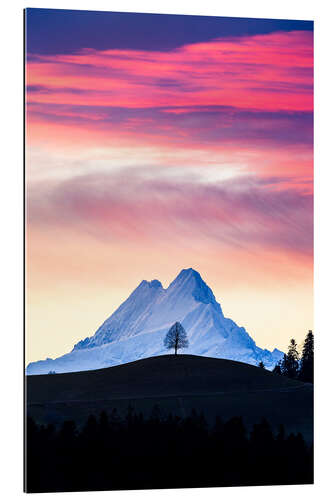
[257, 213]
[261, 85]
[220, 72]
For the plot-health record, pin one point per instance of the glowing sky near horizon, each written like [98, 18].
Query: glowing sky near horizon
[147, 154]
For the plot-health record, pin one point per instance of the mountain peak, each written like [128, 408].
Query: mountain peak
[138, 327]
[155, 284]
[190, 282]
[149, 284]
[186, 273]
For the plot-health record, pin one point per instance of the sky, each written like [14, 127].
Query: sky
[156, 143]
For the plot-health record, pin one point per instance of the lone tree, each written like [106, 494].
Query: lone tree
[176, 338]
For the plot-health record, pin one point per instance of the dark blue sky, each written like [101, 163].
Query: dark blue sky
[51, 31]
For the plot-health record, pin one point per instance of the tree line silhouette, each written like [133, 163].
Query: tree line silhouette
[109, 453]
[295, 365]
[292, 365]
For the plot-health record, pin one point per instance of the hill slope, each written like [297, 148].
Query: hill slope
[157, 376]
[176, 384]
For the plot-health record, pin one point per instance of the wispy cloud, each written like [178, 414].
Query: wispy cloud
[244, 212]
[198, 124]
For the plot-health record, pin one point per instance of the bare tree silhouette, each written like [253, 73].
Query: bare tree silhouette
[176, 338]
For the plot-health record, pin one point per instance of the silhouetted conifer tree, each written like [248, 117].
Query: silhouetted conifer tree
[261, 435]
[277, 369]
[130, 414]
[155, 415]
[281, 434]
[290, 362]
[89, 431]
[103, 424]
[306, 364]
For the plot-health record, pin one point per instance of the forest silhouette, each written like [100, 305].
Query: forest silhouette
[109, 453]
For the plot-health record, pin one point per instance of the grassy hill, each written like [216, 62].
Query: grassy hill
[176, 384]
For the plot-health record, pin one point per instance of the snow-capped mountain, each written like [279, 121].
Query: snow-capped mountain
[137, 329]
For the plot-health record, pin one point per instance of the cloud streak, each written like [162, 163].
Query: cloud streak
[215, 125]
[251, 94]
[243, 212]
[266, 72]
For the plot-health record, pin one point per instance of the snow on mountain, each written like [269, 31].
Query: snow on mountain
[137, 329]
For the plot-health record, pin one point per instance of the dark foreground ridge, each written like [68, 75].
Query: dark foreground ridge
[177, 384]
[167, 422]
[153, 377]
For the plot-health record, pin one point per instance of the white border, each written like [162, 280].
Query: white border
[11, 225]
